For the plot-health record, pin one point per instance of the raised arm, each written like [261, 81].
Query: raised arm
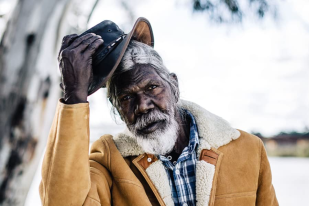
[68, 178]
[65, 169]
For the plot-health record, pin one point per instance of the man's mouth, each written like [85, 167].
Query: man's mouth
[152, 127]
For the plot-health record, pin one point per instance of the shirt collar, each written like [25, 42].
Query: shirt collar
[193, 137]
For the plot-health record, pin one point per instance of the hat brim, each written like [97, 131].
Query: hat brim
[141, 32]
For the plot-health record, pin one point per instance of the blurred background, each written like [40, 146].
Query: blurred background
[244, 60]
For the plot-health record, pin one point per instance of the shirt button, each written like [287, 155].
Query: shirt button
[174, 163]
[149, 159]
[177, 172]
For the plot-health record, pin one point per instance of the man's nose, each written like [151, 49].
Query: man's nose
[143, 104]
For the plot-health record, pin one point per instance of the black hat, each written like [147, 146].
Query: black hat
[108, 56]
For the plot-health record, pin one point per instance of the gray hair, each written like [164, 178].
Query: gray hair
[139, 54]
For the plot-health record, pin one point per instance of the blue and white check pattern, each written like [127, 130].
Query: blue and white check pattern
[182, 175]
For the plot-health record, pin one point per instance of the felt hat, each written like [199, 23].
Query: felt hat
[108, 56]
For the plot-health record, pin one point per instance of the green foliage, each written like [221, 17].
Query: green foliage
[225, 11]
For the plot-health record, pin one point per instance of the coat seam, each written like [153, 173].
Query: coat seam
[96, 169]
[109, 152]
[94, 199]
[92, 172]
[121, 180]
[99, 172]
[242, 194]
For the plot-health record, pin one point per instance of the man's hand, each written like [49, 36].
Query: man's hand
[75, 64]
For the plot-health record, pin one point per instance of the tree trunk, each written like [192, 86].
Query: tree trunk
[29, 89]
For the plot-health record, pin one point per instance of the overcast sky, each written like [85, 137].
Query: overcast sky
[254, 75]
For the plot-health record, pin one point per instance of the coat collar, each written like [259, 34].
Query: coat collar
[213, 131]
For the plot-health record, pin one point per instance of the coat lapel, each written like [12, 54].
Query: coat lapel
[158, 176]
[207, 170]
[214, 132]
[154, 173]
[204, 176]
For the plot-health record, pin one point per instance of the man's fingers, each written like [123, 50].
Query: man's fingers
[66, 41]
[79, 40]
[86, 43]
[66, 51]
[94, 45]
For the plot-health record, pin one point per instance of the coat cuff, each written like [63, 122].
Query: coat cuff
[78, 105]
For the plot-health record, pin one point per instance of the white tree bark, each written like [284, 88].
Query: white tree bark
[29, 87]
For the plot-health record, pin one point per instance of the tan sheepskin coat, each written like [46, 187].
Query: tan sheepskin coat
[233, 168]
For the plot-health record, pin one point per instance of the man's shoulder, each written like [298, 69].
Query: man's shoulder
[102, 149]
[248, 137]
[102, 143]
[111, 148]
[245, 143]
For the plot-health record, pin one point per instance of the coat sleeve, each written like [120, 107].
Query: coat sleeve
[68, 176]
[266, 193]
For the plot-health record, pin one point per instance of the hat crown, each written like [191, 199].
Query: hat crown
[108, 30]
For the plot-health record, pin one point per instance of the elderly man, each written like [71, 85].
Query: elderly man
[174, 152]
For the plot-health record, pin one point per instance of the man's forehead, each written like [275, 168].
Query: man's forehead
[137, 76]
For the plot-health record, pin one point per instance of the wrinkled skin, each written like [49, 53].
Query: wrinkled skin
[142, 89]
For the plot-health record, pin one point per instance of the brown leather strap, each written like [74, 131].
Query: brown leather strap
[147, 160]
[209, 156]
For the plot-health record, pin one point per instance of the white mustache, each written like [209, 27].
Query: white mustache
[146, 119]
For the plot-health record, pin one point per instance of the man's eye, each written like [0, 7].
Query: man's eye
[127, 97]
[152, 87]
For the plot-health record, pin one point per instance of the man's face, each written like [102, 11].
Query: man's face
[142, 90]
[147, 106]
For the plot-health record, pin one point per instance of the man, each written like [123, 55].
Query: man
[173, 152]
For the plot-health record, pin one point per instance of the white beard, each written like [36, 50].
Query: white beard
[160, 142]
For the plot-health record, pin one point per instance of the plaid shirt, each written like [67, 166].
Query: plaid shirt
[182, 175]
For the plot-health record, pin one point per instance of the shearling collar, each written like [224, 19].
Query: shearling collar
[213, 131]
